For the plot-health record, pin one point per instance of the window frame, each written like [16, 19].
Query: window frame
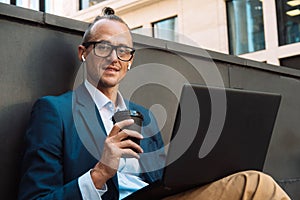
[175, 17]
[282, 20]
[232, 41]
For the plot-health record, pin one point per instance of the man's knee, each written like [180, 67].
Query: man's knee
[258, 184]
[257, 176]
[251, 180]
[242, 185]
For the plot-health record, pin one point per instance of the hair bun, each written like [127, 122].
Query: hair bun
[108, 11]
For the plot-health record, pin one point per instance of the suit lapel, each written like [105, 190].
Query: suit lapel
[90, 127]
[90, 130]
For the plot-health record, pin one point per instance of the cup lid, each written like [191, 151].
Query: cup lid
[132, 113]
[135, 113]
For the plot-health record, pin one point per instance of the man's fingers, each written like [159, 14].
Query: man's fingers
[127, 133]
[129, 153]
[129, 144]
[120, 125]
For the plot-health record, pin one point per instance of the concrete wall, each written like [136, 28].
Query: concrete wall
[38, 57]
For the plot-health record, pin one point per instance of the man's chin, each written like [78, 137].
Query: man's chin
[107, 84]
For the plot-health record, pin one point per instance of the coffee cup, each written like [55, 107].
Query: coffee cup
[130, 114]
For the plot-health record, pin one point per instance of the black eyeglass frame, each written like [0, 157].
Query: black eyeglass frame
[114, 47]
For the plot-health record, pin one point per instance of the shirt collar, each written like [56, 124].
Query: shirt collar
[101, 100]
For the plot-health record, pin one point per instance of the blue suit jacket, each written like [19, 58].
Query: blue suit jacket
[65, 139]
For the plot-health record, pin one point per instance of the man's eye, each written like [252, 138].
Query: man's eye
[124, 50]
[103, 47]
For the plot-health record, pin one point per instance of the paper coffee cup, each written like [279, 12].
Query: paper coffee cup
[130, 114]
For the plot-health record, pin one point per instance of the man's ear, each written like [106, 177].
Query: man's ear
[81, 52]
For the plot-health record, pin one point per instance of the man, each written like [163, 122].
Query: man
[73, 150]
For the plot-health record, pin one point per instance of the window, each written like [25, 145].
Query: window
[245, 26]
[88, 3]
[5, 1]
[165, 29]
[142, 31]
[292, 62]
[49, 6]
[38, 5]
[138, 30]
[32, 4]
[288, 20]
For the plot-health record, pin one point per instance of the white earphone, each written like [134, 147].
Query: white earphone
[129, 66]
[83, 59]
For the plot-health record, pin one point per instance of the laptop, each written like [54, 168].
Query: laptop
[217, 132]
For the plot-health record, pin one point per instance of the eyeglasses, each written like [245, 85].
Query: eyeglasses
[104, 49]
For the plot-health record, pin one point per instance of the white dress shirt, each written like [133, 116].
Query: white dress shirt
[128, 182]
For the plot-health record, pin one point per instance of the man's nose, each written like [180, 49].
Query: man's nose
[113, 55]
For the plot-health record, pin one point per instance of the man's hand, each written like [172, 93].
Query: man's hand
[115, 147]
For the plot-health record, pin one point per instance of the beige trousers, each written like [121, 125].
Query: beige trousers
[240, 186]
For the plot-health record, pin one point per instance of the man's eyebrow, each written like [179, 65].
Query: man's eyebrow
[103, 41]
[108, 42]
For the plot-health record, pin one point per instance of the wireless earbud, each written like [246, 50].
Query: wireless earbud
[83, 59]
[128, 67]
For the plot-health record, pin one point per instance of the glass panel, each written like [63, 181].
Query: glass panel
[292, 62]
[142, 31]
[288, 20]
[87, 3]
[245, 26]
[93, 2]
[166, 29]
[49, 6]
[84, 4]
[5, 1]
[20, 3]
[138, 30]
[32, 4]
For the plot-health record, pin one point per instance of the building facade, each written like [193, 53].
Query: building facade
[262, 30]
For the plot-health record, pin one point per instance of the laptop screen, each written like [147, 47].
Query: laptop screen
[217, 132]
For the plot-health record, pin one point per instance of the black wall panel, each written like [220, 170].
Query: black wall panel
[36, 60]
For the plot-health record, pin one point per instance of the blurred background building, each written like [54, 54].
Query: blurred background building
[262, 30]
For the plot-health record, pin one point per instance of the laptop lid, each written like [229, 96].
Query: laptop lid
[218, 132]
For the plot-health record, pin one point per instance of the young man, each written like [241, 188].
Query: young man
[74, 151]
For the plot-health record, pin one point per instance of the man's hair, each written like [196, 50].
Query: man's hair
[107, 13]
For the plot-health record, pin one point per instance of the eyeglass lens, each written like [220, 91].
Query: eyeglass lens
[104, 50]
